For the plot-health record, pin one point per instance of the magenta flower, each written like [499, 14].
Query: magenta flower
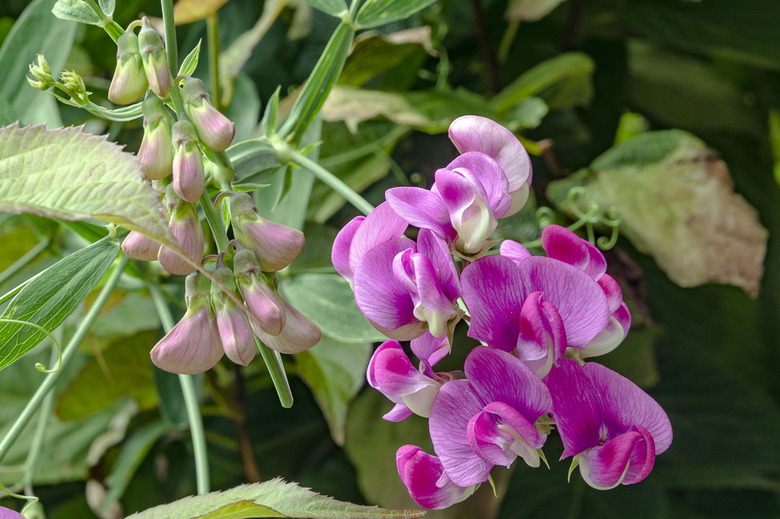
[404, 288]
[474, 133]
[426, 480]
[462, 207]
[362, 234]
[613, 429]
[490, 418]
[536, 308]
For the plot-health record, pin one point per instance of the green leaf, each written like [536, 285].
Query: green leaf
[335, 372]
[274, 498]
[327, 299]
[319, 84]
[188, 11]
[563, 82]
[671, 190]
[271, 114]
[35, 32]
[190, 62]
[50, 297]
[76, 11]
[172, 406]
[530, 10]
[380, 12]
[120, 371]
[107, 6]
[72, 175]
[332, 7]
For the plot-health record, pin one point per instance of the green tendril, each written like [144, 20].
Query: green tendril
[39, 366]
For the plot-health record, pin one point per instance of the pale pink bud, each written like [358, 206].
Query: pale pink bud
[189, 179]
[185, 227]
[154, 60]
[129, 81]
[298, 334]
[193, 345]
[156, 151]
[275, 245]
[215, 130]
[234, 330]
[261, 300]
[140, 247]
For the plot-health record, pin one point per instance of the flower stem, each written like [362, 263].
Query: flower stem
[273, 360]
[332, 181]
[212, 30]
[215, 222]
[172, 53]
[190, 400]
[67, 355]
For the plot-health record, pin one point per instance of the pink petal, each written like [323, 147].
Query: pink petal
[422, 208]
[341, 247]
[380, 226]
[425, 479]
[606, 466]
[514, 251]
[487, 176]
[562, 244]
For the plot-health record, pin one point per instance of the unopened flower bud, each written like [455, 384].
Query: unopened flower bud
[140, 247]
[156, 151]
[234, 330]
[261, 300]
[74, 85]
[129, 81]
[215, 130]
[298, 334]
[275, 245]
[185, 227]
[193, 345]
[189, 179]
[154, 59]
[42, 78]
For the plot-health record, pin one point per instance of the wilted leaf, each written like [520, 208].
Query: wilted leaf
[73, 175]
[678, 205]
[188, 11]
[274, 498]
[334, 371]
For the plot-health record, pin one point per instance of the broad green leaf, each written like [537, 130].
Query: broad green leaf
[188, 11]
[374, 13]
[333, 7]
[35, 32]
[190, 62]
[274, 498]
[334, 371]
[7, 113]
[320, 82]
[122, 370]
[76, 11]
[253, 157]
[327, 299]
[677, 204]
[72, 175]
[563, 82]
[172, 406]
[52, 296]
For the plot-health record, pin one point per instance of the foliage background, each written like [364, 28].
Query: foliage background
[708, 354]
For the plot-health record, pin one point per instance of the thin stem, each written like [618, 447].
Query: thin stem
[190, 400]
[212, 32]
[215, 222]
[67, 355]
[22, 262]
[335, 183]
[273, 360]
[172, 52]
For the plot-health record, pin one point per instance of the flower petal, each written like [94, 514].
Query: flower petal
[422, 208]
[380, 226]
[425, 479]
[487, 176]
[562, 244]
[514, 251]
[606, 466]
[341, 247]
[192, 346]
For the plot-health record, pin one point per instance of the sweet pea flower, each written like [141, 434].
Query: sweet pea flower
[490, 418]
[613, 429]
[426, 481]
[474, 133]
[564, 245]
[462, 206]
[536, 308]
[404, 288]
[391, 373]
[232, 323]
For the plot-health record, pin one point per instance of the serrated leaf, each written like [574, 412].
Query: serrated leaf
[76, 11]
[281, 499]
[72, 175]
[334, 371]
[51, 296]
[331, 7]
[327, 299]
[190, 62]
[35, 32]
[188, 11]
[374, 13]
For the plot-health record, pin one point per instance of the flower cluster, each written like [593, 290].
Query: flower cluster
[537, 318]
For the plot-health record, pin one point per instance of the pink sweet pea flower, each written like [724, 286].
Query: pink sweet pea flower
[490, 418]
[612, 428]
[426, 480]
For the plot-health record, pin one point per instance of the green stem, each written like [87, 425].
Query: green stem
[330, 180]
[273, 361]
[67, 355]
[215, 222]
[22, 262]
[40, 432]
[212, 33]
[190, 400]
[172, 53]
